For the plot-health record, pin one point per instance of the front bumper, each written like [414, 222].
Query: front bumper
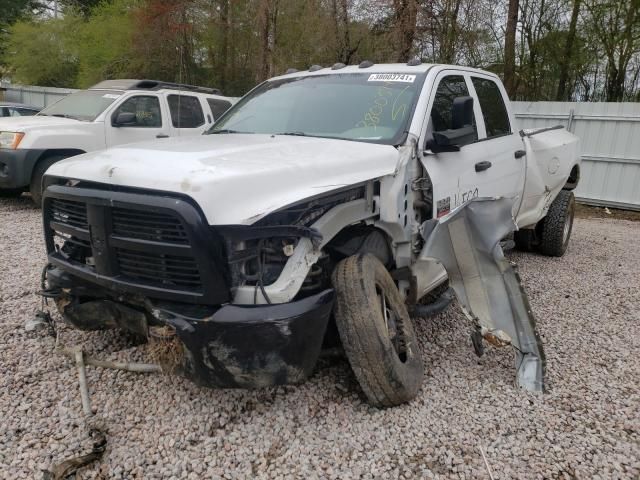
[232, 346]
[16, 167]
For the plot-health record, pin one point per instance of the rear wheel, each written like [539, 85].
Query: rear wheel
[36, 177]
[557, 225]
[376, 331]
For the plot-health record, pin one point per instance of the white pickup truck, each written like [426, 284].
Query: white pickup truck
[110, 113]
[329, 199]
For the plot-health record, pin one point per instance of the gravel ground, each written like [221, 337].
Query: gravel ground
[586, 426]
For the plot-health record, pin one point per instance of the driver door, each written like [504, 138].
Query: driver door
[452, 173]
[150, 121]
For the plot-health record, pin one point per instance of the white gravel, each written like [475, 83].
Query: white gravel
[587, 426]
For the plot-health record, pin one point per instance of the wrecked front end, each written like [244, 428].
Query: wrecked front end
[150, 263]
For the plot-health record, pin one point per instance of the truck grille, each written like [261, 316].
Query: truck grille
[148, 226]
[159, 268]
[69, 212]
[136, 241]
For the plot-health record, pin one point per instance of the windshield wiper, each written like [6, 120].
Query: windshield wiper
[296, 134]
[226, 130]
[61, 115]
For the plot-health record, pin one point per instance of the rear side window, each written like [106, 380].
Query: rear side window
[218, 107]
[186, 111]
[494, 111]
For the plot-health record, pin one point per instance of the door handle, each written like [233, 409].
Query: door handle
[519, 153]
[162, 135]
[480, 166]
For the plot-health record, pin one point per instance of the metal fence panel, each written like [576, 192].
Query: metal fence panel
[32, 95]
[610, 142]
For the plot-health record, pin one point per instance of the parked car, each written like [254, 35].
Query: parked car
[326, 198]
[10, 109]
[110, 113]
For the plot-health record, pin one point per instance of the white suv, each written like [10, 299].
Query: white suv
[113, 112]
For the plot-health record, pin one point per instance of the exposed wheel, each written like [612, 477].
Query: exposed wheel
[524, 240]
[557, 225]
[10, 192]
[36, 177]
[376, 332]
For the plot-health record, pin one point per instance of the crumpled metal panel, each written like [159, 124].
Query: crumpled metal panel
[467, 243]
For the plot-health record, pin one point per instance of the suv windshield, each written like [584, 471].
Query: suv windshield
[372, 107]
[84, 105]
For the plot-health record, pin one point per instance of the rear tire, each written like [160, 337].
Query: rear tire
[376, 331]
[36, 177]
[557, 225]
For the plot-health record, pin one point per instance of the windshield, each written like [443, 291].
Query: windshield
[84, 105]
[353, 106]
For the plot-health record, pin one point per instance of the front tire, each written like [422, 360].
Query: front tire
[376, 331]
[36, 177]
[557, 225]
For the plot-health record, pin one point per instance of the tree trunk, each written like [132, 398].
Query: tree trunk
[565, 61]
[406, 14]
[510, 48]
[264, 29]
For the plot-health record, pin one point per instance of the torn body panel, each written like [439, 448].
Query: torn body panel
[467, 243]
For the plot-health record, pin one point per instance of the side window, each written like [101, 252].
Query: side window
[146, 110]
[218, 107]
[4, 112]
[186, 111]
[494, 111]
[21, 112]
[449, 88]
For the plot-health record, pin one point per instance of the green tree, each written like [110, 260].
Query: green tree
[39, 53]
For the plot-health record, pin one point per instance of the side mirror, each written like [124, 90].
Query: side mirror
[461, 112]
[124, 119]
[462, 131]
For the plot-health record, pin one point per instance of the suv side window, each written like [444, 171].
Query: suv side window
[218, 107]
[186, 111]
[146, 108]
[449, 88]
[494, 111]
[21, 112]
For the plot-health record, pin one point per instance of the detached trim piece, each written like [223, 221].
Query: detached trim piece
[467, 243]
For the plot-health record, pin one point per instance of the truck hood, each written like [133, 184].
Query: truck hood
[236, 178]
[24, 124]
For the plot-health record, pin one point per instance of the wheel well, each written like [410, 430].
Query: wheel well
[574, 178]
[362, 239]
[62, 152]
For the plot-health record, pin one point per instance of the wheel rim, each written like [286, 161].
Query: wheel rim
[394, 325]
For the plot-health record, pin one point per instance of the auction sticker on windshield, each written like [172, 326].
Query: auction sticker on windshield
[392, 77]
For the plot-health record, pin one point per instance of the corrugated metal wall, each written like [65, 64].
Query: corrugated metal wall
[35, 96]
[610, 143]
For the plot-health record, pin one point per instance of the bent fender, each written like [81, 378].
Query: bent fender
[467, 244]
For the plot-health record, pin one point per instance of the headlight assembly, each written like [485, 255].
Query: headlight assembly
[10, 140]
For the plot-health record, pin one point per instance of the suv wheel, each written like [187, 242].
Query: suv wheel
[376, 331]
[36, 177]
[557, 225]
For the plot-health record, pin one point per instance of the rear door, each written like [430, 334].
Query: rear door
[502, 171]
[149, 120]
